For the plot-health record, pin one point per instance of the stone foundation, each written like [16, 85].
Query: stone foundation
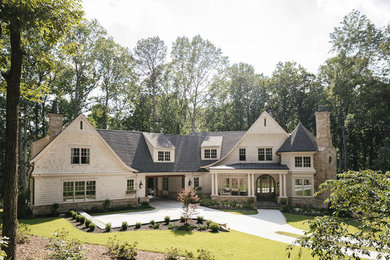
[86, 205]
[231, 198]
[312, 202]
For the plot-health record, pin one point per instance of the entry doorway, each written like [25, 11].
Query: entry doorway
[265, 187]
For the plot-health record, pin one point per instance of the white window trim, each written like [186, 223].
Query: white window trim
[135, 187]
[171, 156]
[74, 190]
[311, 178]
[265, 153]
[246, 154]
[80, 147]
[210, 148]
[303, 167]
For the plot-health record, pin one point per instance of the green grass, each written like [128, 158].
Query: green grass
[122, 211]
[241, 211]
[229, 245]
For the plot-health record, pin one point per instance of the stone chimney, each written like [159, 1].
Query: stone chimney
[55, 121]
[324, 138]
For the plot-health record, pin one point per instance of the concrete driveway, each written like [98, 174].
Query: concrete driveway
[264, 224]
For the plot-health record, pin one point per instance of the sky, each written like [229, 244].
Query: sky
[258, 32]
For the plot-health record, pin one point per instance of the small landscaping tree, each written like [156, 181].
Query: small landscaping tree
[364, 197]
[190, 202]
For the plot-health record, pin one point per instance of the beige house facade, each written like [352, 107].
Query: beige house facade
[80, 167]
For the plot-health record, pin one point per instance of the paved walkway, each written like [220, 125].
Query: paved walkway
[264, 224]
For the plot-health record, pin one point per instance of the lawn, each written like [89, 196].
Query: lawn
[241, 211]
[231, 245]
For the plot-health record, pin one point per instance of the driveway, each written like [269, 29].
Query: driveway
[264, 224]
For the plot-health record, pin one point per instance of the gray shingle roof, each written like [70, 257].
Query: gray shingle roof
[300, 140]
[251, 166]
[131, 147]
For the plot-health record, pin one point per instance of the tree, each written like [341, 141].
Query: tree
[362, 195]
[44, 20]
[149, 55]
[190, 200]
[195, 62]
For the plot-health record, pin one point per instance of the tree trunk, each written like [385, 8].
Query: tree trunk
[344, 145]
[154, 107]
[11, 136]
[105, 112]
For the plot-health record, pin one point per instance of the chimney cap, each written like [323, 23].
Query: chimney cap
[322, 108]
[54, 108]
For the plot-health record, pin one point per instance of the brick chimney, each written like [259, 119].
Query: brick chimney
[55, 121]
[324, 138]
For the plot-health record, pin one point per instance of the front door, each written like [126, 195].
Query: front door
[265, 187]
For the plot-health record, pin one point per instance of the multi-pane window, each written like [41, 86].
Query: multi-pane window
[130, 185]
[268, 154]
[242, 154]
[303, 187]
[196, 182]
[79, 190]
[234, 186]
[306, 161]
[302, 161]
[79, 156]
[210, 153]
[298, 161]
[164, 156]
[260, 154]
[165, 184]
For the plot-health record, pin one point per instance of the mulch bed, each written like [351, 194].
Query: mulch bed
[36, 248]
[163, 226]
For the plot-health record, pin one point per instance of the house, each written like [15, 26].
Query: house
[80, 167]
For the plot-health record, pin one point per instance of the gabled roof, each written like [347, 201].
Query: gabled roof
[300, 140]
[131, 147]
[158, 140]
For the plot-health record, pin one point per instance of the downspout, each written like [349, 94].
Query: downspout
[29, 175]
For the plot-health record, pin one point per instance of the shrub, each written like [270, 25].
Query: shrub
[124, 225]
[122, 250]
[156, 226]
[23, 233]
[152, 222]
[64, 248]
[199, 220]
[92, 226]
[87, 222]
[170, 226]
[208, 222]
[214, 227]
[250, 203]
[108, 227]
[172, 254]
[138, 225]
[204, 254]
[202, 227]
[284, 201]
[73, 214]
[167, 219]
[77, 217]
[182, 219]
[145, 204]
[107, 204]
[55, 207]
[81, 219]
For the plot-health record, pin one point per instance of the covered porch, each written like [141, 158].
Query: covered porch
[262, 181]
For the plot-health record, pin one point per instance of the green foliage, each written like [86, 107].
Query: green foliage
[173, 253]
[124, 225]
[365, 195]
[167, 219]
[171, 226]
[78, 217]
[138, 225]
[87, 222]
[156, 226]
[145, 204]
[107, 204]
[199, 220]
[64, 248]
[92, 226]
[3, 244]
[182, 219]
[208, 222]
[55, 207]
[152, 222]
[202, 227]
[122, 250]
[214, 227]
[81, 219]
[190, 202]
[73, 214]
[204, 254]
[108, 227]
[23, 234]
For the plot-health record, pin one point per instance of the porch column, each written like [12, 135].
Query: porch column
[212, 184]
[253, 184]
[284, 186]
[249, 185]
[216, 184]
[280, 185]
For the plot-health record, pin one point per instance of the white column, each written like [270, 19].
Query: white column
[212, 184]
[253, 188]
[248, 186]
[280, 185]
[216, 184]
[284, 186]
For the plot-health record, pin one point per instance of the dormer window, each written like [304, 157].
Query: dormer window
[164, 156]
[210, 153]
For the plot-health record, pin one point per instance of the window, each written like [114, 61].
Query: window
[234, 186]
[77, 158]
[298, 161]
[164, 156]
[79, 191]
[265, 122]
[242, 153]
[303, 187]
[268, 153]
[130, 186]
[196, 182]
[210, 153]
[165, 184]
[305, 159]
[260, 154]
[81, 125]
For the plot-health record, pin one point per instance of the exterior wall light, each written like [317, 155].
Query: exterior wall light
[189, 182]
[141, 184]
